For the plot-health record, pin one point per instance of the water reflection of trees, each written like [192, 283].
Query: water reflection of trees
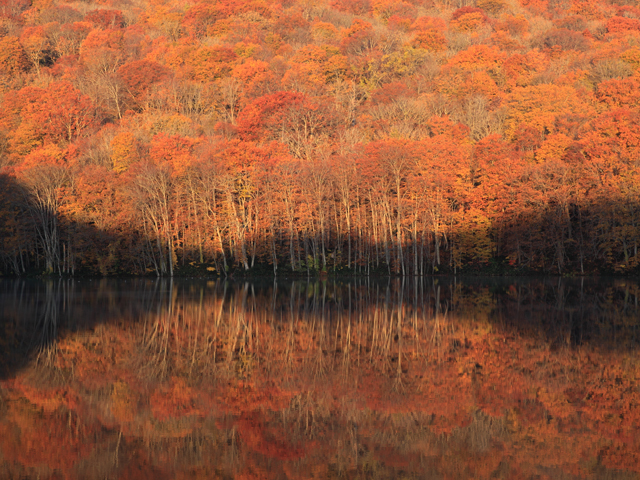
[316, 326]
[299, 327]
[400, 374]
[207, 328]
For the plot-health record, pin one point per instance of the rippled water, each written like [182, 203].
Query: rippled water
[385, 378]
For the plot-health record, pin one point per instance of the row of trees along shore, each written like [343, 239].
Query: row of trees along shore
[357, 137]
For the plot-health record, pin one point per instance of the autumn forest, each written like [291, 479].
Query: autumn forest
[342, 136]
[376, 378]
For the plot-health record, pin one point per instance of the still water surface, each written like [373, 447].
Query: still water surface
[380, 379]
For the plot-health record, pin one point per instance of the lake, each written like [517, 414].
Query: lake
[336, 379]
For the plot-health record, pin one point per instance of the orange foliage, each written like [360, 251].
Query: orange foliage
[13, 59]
[173, 150]
[263, 117]
[431, 40]
[209, 63]
[122, 86]
[102, 45]
[467, 19]
[477, 57]
[386, 9]
[255, 76]
[539, 105]
[138, 77]
[315, 67]
[623, 25]
[124, 151]
[357, 7]
[619, 93]
[324, 32]
[357, 37]
[429, 23]
[106, 19]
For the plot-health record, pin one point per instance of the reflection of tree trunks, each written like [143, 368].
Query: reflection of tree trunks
[46, 331]
[159, 344]
[400, 313]
[191, 330]
[414, 241]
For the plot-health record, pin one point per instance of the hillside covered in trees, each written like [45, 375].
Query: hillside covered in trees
[347, 136]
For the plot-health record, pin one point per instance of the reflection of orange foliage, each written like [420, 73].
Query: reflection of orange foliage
[48, 399]
[123, 403]
[485, 395]
[252, 473]
[173, 401]
[242, 396]
[621, 456]
[54, 440]
[267, 439]
[447, 402]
